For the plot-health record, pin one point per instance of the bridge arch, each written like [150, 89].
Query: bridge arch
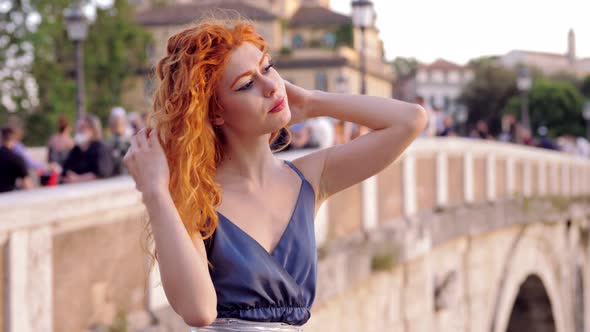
[531, 280]
[532, 310]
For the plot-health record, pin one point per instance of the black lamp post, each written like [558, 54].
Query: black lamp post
[77, 25]
[524, 83]
[362, 17]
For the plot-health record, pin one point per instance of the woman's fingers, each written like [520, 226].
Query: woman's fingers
[141, 139]
[153, 139]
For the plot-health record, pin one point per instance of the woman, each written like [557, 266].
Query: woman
[60, 144]
[233, 224]
[90, 159]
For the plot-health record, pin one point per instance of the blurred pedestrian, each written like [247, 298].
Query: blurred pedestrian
[13, 168]
[300, 136]
[430, 129]
[61, 143]
[481, 131]
[509, 129]
[447, 127]
[545, 142]
[120, 140]
[322, 132]
[19, 148]
[90, 159]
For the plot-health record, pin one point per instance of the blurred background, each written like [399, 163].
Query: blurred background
[481, 225]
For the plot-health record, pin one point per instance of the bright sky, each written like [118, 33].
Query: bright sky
[458, 30]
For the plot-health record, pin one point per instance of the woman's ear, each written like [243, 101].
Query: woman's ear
[217, 120]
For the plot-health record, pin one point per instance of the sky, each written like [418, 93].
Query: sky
[459, 30]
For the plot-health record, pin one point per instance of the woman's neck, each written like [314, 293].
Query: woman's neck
[251, 160]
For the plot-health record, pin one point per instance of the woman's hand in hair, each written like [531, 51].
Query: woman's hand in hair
[298, 99]
[147, 163]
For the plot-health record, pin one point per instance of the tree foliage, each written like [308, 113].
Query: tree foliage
[489, 91]
[405, 67]
[554, 104]
[114, 50]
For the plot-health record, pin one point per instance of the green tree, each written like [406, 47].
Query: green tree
[555, 104]
[487, 94]
[17, 85]
[114, 50]
[405, 67]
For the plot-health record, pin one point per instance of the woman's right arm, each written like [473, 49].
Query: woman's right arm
[182, 263]
[182, 260]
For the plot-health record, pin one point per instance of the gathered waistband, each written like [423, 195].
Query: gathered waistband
[234, 324]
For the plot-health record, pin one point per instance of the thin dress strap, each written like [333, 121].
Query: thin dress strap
[295, 169]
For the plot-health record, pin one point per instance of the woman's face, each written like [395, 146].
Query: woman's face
[249, 89]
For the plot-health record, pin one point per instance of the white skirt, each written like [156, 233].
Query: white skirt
[234, 324]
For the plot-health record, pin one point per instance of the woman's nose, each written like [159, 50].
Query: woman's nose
[270, 87]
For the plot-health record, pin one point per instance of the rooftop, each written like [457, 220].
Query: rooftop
[178, 14]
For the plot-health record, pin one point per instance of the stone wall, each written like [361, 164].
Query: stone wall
[443, 217]
[99, 272]
[3, 282]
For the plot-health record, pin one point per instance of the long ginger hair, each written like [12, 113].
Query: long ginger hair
[184, 107]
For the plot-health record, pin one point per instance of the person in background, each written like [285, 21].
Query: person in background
[509, 129]
[61, 143]
[119, 141]
[545, 142]
[481, 131]
[300, 136]
[19, 148]
[322, 132]
[524, 136]
[430, 129]
[13, 168]
[447, 128]
[90, 159]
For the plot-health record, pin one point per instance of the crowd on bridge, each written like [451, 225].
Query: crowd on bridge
[323, 132]
[88, 155]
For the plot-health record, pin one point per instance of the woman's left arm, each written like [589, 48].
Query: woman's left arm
[395, 125]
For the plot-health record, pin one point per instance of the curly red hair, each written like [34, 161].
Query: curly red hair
[184, 107]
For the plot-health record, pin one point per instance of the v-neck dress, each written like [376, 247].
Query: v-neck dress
[255, 285]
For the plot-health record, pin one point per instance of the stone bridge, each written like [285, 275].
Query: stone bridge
[457, 235]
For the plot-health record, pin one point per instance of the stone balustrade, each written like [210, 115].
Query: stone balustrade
[70, 256]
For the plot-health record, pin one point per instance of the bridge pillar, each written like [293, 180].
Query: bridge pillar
[491, 177]
[30, 284]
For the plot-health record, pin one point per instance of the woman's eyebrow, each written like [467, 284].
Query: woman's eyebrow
[249, 72]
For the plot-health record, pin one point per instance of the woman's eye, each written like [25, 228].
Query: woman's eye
[267, 68]
[246, 86]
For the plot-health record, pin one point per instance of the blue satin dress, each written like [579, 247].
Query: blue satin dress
[255, 285]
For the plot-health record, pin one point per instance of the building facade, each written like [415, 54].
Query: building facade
[313, 46]
[441, 82]
[550, 63]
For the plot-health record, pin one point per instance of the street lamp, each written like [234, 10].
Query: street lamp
[362, 17]
[524, 83]
[77, 25]
[586, 114]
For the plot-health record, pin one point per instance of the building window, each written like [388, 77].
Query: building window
[432, 101]
[297, 41]
[330, 39]
[321, 81]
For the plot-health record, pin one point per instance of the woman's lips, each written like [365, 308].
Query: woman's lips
[278, 106]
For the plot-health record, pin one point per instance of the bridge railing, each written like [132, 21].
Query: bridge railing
[70, 255]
